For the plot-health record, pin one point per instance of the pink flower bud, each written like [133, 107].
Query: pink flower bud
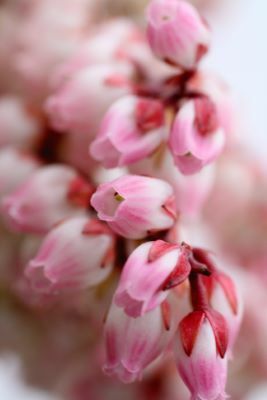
[81, 102]
[18, 127]
[15, 168]
[176, 32]
[132, 129]
[200, 360]
[196, 138]
[74, 255]
[150, 271]
[50, 195]
[133, 343]
[135, 206]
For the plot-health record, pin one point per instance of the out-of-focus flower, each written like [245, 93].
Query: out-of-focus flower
[150, 271]
[46, 38]
[133, 343]
[135, 206]
[15, 168]
[50, 195]
[176, 33]
[74, 255]
[132, 129]
[113, 38]
[196, 137]
[18, 127]
[80, 103]
[200, 365]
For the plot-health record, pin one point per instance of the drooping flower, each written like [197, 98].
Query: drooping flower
[132, 129]
[176, 32]
[200, 351]
[196, 137]
[135, 206]
[50, 195]
[79, 104]
[150, 271]
[74, 255]
[133, 343]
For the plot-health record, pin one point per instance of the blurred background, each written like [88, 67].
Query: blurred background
[239, 55]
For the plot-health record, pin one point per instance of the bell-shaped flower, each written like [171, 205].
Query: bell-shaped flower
[51, 194]
[150, 272]
[132, 129]
[200, 352]
[177, 33]
[132, 344]
[75, 255]
[135, 206]
[196, 137]
[79, 104]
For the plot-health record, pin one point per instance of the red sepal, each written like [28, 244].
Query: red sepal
[159, 248]
[220, 330]
[109, 257]
[117, 80]
[229, 290]
[96, 227]
[201, 51]
[170, 207]
[179, 274]
[80, 192]
[166, 314]
[149, 114]
[206, 119]
[189, 328]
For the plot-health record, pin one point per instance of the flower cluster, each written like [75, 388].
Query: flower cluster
[115, 152]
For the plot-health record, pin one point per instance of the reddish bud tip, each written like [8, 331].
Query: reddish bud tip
[96, 227]
[206, 119]
[80, 192]
[116, 80]
[159, 248]
[149, 114]
[179, 274]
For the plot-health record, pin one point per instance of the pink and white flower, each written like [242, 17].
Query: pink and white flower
[135, 206]
[79, 104]
[50, 195]
[134, 343]
[18, 127]
[200, 364]
[196, 137]
[15, 168]
[151, 270]
[74, 255]
[132, 129]
[176, 32]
